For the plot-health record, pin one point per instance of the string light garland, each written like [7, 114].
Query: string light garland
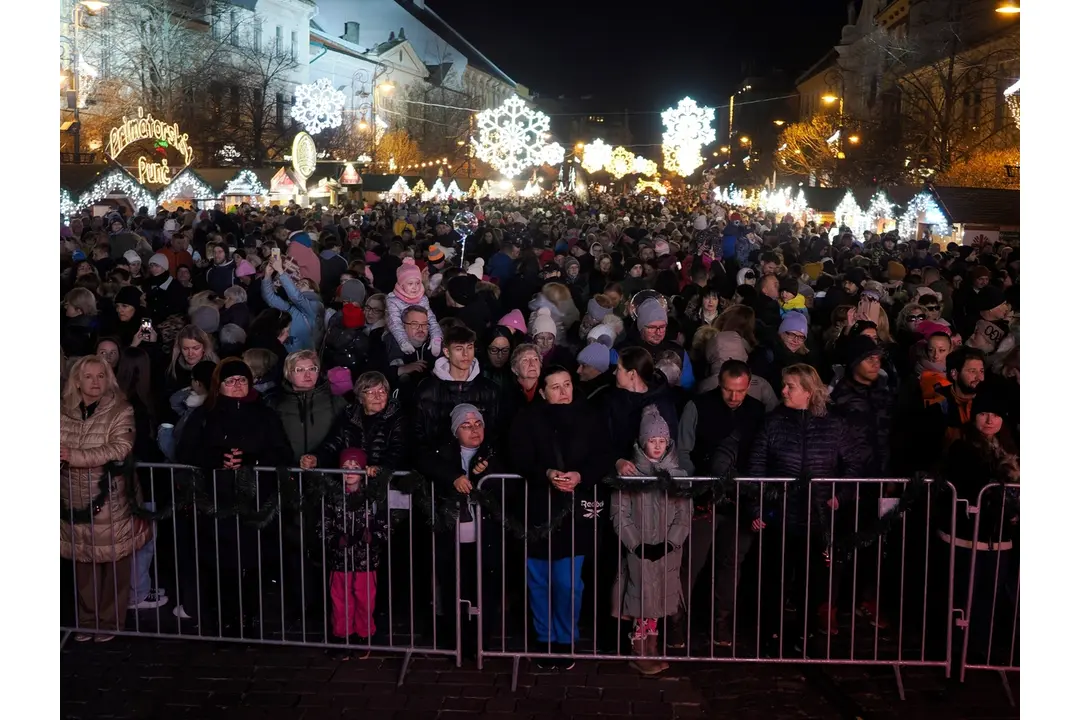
[474, 190]
[116, 181]
[687, 127]
[419, 188]
[850, 214]
[245, 183]
[925, 206]
[67, 206]
[595, 156]
[1012, 98]
[881, 209]
[453, 191]
[552, 154]
[649, 186]
[621, 163]
[186, 181]
[510, 137]
[318, 106]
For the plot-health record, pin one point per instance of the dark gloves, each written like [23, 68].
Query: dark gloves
[653, 552]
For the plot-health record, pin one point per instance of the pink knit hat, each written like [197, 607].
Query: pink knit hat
[244, 268]
[353, 454]
[515, 321]
[928, 327]
[408, 270]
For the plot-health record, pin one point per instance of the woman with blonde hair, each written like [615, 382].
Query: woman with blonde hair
[191, 347]
[97, 529]
[801, 439]
[79, 322]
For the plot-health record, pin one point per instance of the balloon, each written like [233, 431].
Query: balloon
[465, 223]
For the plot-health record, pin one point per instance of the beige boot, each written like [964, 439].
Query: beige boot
[641, 649]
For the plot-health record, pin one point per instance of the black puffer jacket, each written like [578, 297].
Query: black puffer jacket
[345, 347]
[381, 436]
[796, 444]
[308, 416]
[437, 396]
[623, 413]
[867, 410]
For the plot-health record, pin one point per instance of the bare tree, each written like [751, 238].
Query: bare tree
[943, 84]
[803, 148]
[259, 121]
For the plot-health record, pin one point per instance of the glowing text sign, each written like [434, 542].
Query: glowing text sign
[148, 128]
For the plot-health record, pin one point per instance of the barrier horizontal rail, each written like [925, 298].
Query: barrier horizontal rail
[888, 600]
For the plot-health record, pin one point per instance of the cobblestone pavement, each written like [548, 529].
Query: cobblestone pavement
[162, 679]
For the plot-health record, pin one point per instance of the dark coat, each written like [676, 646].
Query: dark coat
[437, 396]
[220, 278]
[796, 444]
[354, 538]
[381, 436]
[345, 347]
[622, 413]
[567, 438]
[970, 469]
[307, 416]
[868, 412]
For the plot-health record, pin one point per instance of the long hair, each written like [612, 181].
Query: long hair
[192, 332]
[133, 377]
[740, 319]
[70, 398]
[810, 381]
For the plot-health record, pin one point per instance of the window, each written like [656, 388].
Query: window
[234, 104]
[234, 32]
[279, 41]
[256, 38]
[280, 109]
[293, 50]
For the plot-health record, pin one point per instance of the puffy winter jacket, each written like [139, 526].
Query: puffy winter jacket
[796, 444]
[381, 436]
[439, 394]
[305, 309]
[307, 416]
[867, 411]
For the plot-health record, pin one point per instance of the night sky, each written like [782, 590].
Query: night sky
[646, 57]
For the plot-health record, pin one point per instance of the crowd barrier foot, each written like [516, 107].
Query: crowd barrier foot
[1008, 688]
[899, 682]
[404, 667]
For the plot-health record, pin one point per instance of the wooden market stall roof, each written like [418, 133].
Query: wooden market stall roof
[979, 206]
[77, 178]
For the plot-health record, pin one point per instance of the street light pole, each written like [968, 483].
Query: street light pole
[93, 7]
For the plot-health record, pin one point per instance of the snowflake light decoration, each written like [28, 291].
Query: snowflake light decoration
[621, 162]
[245, 183]
[645, 166]
[318, 106]
[552, 154]
[510, 137]
[186, 180]
[687, 127]
[116, 181]
[399, 191]
[595, 156]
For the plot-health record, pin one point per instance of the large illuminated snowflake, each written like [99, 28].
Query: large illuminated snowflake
[511, 137]
[552, 154]
[318, 106]
[621, 162]
[645, 166]
[595, 156]
[687, 127]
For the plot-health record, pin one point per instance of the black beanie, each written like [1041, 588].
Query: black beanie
[203, 372]
[234, 367]
[859, 348]
[129, 295]
[789, 284]
[990, 399]
[989, 298]
[462, 288]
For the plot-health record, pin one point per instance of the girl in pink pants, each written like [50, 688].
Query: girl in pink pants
[354, 533]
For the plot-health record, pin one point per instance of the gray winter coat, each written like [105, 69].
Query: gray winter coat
[652, 588]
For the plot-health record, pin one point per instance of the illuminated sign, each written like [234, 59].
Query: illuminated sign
[304, 155]
[156, 138]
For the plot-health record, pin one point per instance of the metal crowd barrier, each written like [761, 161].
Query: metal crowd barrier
[810, 583]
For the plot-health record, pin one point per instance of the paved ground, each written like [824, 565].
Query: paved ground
[162, 679]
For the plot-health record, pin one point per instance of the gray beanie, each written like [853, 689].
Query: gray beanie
[650, 312]
[207, 319]
[352, 290]
[652, 425]
[460, 414]
[597, 311]
[727, 345]
[595, 355]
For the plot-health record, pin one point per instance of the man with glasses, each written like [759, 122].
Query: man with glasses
[652, 325]
[408, 369]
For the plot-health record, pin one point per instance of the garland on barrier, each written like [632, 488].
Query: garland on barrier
[442, 513]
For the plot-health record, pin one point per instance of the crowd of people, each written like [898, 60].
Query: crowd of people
[564, 341]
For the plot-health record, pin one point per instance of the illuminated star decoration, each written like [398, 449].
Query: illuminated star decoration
[318, 106]
[510, 137]
[595, 156]
[552, 154]
[621, 162]
[644, 166]
[687, 127]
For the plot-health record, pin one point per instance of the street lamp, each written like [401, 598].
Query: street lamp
[778, 123]
[93, 7]
[835, 76]
[853, 139]
[1009, 7]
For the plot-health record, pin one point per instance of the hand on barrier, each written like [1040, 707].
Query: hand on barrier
[308, 461]
[833, 503]
[480, 467]
[757, 525]
[625, 468]
[234, 459]
[373, 470]
[462, 485]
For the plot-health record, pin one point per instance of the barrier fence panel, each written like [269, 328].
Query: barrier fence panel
[285, 557]
[988, 579]
[788, 577]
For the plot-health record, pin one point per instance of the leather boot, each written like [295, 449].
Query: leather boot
[641, 649]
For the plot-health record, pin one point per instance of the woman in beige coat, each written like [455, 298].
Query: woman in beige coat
[97, 530]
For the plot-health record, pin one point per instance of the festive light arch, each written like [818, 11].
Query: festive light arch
[687, 127]
[318, 106]
[595, 156]
[511, 137]
[116, 181]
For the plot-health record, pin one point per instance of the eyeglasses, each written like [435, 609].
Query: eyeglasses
[377, 391]
[372, 310]
[916, 318]
[498, 351]
[415, 325]
[312, 369]
[656, 328]
[799, 337]
[234, 381]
